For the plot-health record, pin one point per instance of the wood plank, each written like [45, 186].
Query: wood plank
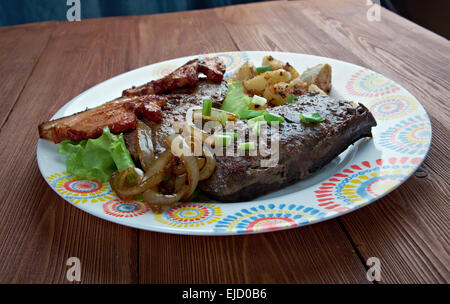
[328, 256]
[20, 48]
[174, 35]
[408, 231]
[320, 253]
[391, 47]
[269, 26]
[39, 230]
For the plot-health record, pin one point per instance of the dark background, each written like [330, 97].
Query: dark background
[432, 14]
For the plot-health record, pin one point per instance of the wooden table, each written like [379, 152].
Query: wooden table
[44, 65]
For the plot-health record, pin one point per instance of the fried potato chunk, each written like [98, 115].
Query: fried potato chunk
[314, 88]
[275, 64]
[278, 93]
[245, 72]
[320, 75]
[257, 84]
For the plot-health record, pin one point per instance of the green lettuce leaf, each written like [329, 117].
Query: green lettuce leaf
[236, 100]
[96, 159]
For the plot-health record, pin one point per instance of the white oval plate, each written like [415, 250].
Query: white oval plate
[366, 171]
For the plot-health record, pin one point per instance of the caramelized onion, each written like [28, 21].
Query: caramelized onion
[159, 164]
[190, 127]
[152, 177]
[204, 117]
[180, 181]
[154, 197]
[200, 162]
[210, 165]
[180, 148]
[144, 145]
[180, 177]
[193, 131]
[180, 169]
[122, 180]
[192, 173]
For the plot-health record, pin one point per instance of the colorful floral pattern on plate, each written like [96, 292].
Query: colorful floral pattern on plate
[392, 107]
[366, 83]
[361, 183]
[190, 215]
[117, 208]
[80, 191]
[410, 136]
[267, 217]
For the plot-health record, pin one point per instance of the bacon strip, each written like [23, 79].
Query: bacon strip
[213, 68]
[119, 115]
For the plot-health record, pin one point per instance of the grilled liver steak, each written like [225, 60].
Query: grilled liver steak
[303, 149]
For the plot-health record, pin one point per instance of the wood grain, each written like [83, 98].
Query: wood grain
[50, 63]
[168, 36]
[20, 48]
[408, 231]
[39, 230]
[320, 253]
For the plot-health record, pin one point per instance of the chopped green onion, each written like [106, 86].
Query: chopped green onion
[258, 100]
[290, 99]
[256, 128]
[252, 121]
[263, 69]
[165, 178]
[310, 117]
[270, 117]
[251, 113]
[207, 106]
[232, 134]
[247, 146]
[223, 139]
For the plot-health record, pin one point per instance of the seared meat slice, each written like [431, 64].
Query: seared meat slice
[149, 106]
[213, 68]
[184, 76]
[303, 149]
[119, 115]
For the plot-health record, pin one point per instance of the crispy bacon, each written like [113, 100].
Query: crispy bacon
[184, 76]
[119, 115]
[150, 107]
[213, 68]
